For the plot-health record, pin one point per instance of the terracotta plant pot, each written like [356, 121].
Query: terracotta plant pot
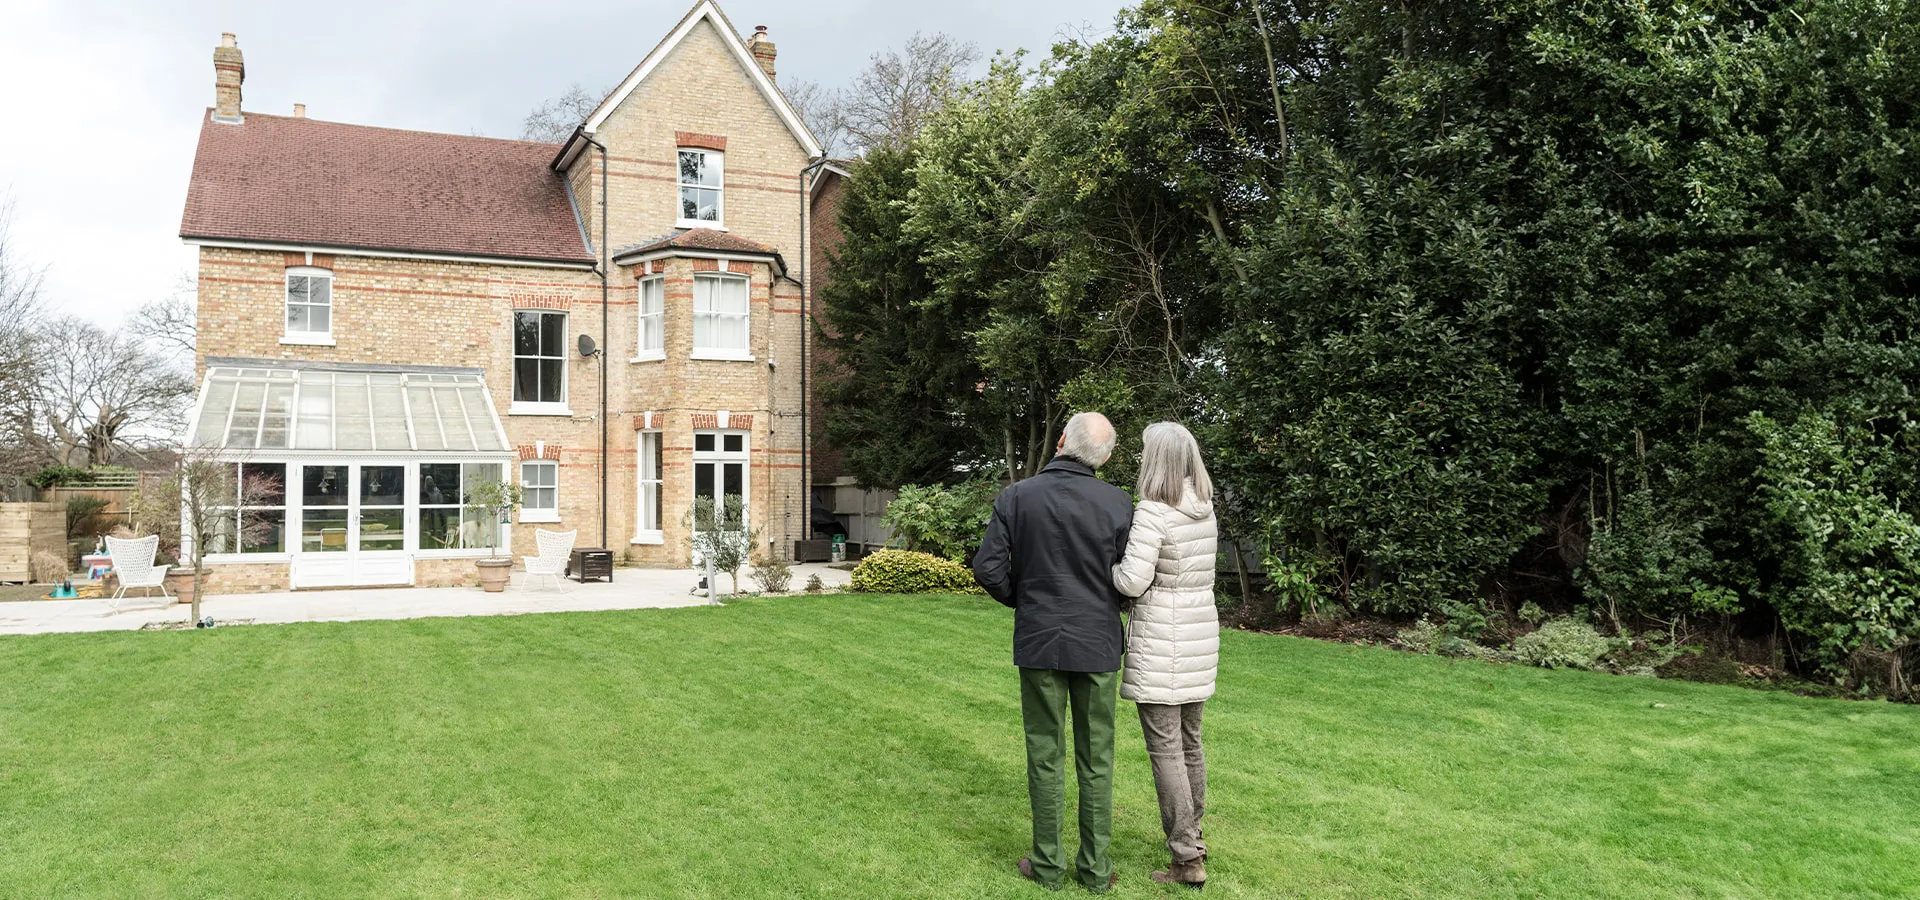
[181, 585]
[493, 574]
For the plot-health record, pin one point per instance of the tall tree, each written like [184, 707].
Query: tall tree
[20, 312]
[902, 385]
[894, 95]
[99, 392]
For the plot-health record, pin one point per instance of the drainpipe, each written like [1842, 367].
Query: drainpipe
[604, 266]
[806, 399]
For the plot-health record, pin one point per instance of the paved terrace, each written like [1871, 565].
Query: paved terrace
[630, 589]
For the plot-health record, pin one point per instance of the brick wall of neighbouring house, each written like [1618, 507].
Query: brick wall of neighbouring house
[824, 241]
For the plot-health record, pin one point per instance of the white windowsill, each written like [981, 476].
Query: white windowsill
[308, 340]
[649, 356]
[698, 223]
[723, 355]
[523, 408]
[539, 515]
[649, 537]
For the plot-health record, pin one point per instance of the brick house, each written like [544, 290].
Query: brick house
[388, 317]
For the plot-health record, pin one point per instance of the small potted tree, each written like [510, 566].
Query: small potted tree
[494, 500]
[720, 537]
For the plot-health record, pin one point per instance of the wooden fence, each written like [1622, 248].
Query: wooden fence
[26, 529]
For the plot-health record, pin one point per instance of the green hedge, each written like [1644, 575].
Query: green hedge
[912, 572]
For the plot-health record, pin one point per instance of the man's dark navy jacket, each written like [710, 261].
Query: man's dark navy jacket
[1049, 553]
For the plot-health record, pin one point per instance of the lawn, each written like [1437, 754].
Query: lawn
[858, 746]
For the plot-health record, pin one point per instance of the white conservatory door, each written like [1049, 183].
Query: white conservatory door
[353, 527]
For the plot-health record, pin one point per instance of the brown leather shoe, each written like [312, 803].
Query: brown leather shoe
[1192, 874]
[1026, 871]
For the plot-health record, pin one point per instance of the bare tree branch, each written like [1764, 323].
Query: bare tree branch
[821, 109]
[168, 322]
[555, 120]
[887, 103]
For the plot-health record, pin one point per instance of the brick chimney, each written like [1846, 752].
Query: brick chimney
[763, 51]
[229, 69]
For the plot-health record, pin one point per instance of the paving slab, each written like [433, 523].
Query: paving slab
[630, 589]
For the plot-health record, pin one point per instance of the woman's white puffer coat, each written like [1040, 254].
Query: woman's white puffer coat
[1173, 639]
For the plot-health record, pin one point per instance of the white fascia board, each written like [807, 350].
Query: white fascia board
[814, 188]
[707, 12]
[772, 261]
[384, 254]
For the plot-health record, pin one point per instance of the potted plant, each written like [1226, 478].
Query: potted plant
[721, 539]
[494, 500]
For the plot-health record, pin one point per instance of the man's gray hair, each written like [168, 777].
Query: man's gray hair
[1088, 438]
[1169, 461]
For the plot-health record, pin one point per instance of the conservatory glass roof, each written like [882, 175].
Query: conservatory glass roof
[269, 408]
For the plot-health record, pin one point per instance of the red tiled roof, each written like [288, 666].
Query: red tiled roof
[304, 181]
[699, 239]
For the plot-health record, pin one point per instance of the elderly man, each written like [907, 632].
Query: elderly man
[1049, 553]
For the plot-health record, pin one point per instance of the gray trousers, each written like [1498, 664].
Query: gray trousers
[1179, 773]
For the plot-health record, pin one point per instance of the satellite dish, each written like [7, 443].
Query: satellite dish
[586, 346]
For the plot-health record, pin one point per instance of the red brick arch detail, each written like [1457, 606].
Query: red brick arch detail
[740, 268]
[735, 421]
[706, 265]
[533, 451]
[701, 141]
[558, 302]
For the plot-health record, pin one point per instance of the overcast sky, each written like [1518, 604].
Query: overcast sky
[100, 102]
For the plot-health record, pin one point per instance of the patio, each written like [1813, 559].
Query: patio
[630, 589]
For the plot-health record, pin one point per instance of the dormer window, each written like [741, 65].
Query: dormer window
[702, 173]
[309, 306]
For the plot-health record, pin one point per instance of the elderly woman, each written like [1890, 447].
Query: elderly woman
[1173, 640]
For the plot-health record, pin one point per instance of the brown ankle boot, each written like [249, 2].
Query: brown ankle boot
[1192, 874]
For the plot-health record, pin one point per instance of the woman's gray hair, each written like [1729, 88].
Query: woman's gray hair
[1088, 438]
[1169, 458]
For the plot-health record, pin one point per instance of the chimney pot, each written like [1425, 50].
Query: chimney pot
[763, 50]
[229, 71]
[299, 110]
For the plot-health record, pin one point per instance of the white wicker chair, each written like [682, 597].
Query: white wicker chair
[555, 547]
[133, 565]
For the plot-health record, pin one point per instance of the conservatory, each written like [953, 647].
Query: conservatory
[356, 472]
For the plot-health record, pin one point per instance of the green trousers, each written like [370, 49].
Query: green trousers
[1045, 697]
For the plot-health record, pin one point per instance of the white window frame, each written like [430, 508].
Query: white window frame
[718, 161]
[719, 455]
[650, 327]
[649, 482]
[530, 512]
[313, 338]
[235, 520]
[520, 407]
[740, 354]
[454, 498]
